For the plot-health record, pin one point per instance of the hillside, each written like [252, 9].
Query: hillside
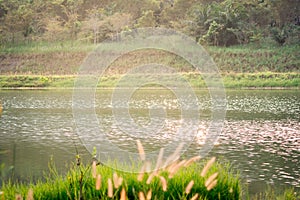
[67, 60]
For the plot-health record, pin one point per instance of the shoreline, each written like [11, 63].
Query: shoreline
[152, 88]
[236, 81]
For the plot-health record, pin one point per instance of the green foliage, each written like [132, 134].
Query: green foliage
[227, 23]
[79, 183]
[271, 193]
[285, 33]
[219, 22]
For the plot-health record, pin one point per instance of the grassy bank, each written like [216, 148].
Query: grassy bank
[181, 180]
[231, 80]
[56, 64]
[201, 180]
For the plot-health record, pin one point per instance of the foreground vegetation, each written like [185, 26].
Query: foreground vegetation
[186, 179]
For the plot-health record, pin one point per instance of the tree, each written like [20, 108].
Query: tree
[16, 22]
[226, 23]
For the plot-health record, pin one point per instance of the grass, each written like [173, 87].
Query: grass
[270, 193]
[251, 58]
[253, 65]
[180, 179]
[230, 80]
[42, 47]
[185, 179]
[91, 182]
[41, 64]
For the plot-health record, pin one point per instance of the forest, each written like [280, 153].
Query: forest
[209, 22]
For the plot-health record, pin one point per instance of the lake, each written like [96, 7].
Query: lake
[260, 137]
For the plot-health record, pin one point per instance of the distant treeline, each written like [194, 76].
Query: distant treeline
[212, 22]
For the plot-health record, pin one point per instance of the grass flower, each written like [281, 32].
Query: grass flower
[175, 168]
[212, 185]
[207, 166]
[123, 194]
[191, 160]
[98, 182]
[120, 181]
[189, 187]
[30, 194]
[163, 183]
[141, 173]
[116, 180]
[141, 196]
[175, 156]
[110, 189]
[195, 196]
[141, 150]
[94, 169]
[211, 179]
[159, 159]
[150, 177]
[149, 195]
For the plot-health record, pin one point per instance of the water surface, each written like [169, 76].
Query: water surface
[260, 137]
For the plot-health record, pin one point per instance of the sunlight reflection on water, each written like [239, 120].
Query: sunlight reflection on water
[260, 137]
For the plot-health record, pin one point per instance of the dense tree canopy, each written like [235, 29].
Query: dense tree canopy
[222, 22]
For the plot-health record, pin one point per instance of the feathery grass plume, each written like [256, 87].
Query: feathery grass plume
[19, 197]
[192, 160]
[159, 159]
[175, 156]
[207, 166]
[171, 166]
[163, 183]
[141, 173]
[30, 194]
[141, 196]
[174, 169]
[195, 196]
[149, 195]
[211, 179]
[120, 180]
[141, 150]
[147, 166]
[123, 194]
[116, 180]
[150, 177]
[212, 185]
[189, 187]
[98, 182]
[94, 169]
[110, 189]
[1, 109]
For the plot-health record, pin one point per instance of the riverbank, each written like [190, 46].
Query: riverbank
[55, 65]
[269, 80]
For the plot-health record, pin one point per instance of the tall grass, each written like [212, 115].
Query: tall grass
[80, 184]
[181, 179]
[271, 193]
